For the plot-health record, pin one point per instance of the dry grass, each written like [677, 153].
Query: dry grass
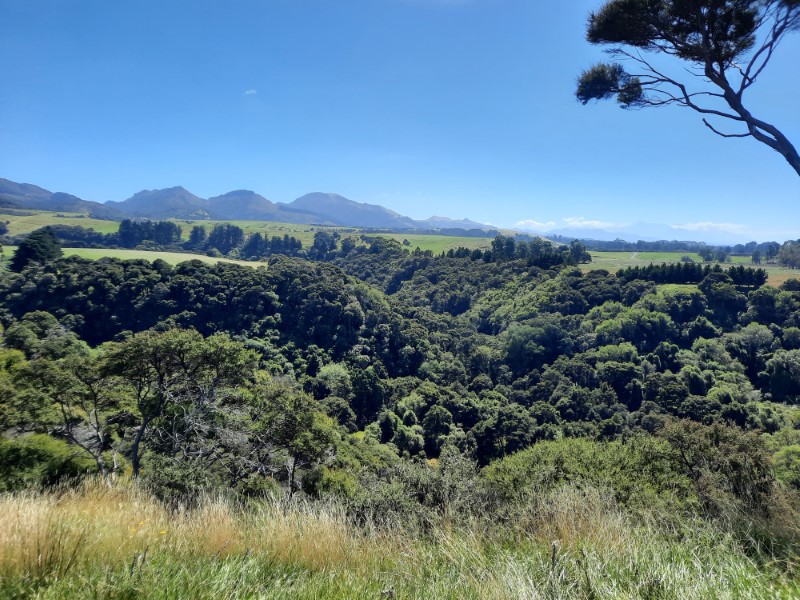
[116, 542]
[101, 524]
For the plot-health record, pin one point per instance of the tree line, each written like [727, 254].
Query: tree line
[688, 273]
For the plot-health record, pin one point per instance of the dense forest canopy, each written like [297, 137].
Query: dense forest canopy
[487, 352]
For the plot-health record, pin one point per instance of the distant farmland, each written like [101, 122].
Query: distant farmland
[19, 224]
[22, 222]
[172, 258]
[614, 261]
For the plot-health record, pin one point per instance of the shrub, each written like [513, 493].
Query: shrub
[39, 460]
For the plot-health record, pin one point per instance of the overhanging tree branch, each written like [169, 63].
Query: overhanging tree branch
[725, 135]
[712, 36]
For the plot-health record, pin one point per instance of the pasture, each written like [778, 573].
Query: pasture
[614, 261]
[22, 222]
[172, 258]
[304, 233]
[438, 243]
[27, 221]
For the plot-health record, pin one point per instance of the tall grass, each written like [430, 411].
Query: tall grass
[100, 541]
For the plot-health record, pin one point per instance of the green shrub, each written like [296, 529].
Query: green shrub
[39, 460]
[641, 471]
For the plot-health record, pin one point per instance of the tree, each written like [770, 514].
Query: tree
[225, 237]
[198, 236]
[784, 375]
[178, 383]
[706, 253]
[789, 254]
[40, 246]
[85, 399]
[294, 422]
[727, 43]
[324, 244]
[578, 253]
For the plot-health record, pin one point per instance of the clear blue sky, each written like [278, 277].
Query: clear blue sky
[462, 108]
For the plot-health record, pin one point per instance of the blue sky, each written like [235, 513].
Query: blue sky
[462, 108]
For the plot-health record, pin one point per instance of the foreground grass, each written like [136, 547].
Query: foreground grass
[116, 542]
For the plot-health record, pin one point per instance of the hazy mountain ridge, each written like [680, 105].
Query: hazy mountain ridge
[29, 196]
[343, 211]
[435, 222]
[170, 203]
[649, 232]
[178, 203]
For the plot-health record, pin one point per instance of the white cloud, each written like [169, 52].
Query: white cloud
[250, 92]
[531, 224]
[582, 223]
[711, 226]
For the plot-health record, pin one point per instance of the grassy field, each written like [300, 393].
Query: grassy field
[107, 541]
[305, 233]
[172, 258]
[21, 224]
[439, 243]
[613, 261]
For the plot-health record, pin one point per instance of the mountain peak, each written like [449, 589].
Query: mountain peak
[175, 202]
[245, 205]
[343, 211]
[29, 196]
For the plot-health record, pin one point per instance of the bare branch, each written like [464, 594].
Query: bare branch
[654, 77]
[726, 135]
[783, 23]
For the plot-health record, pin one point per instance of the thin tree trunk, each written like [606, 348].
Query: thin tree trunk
[292, 472]
[135, 458]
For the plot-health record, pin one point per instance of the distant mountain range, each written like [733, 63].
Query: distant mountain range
[649, 232]
[27, 196]
[245, 205]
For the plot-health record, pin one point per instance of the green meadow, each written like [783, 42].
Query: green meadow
[305, 233]
[21, 222]
[613, 261]
[172, 258]
[439, 243]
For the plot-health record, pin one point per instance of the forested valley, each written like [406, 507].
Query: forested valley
[502, 393]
